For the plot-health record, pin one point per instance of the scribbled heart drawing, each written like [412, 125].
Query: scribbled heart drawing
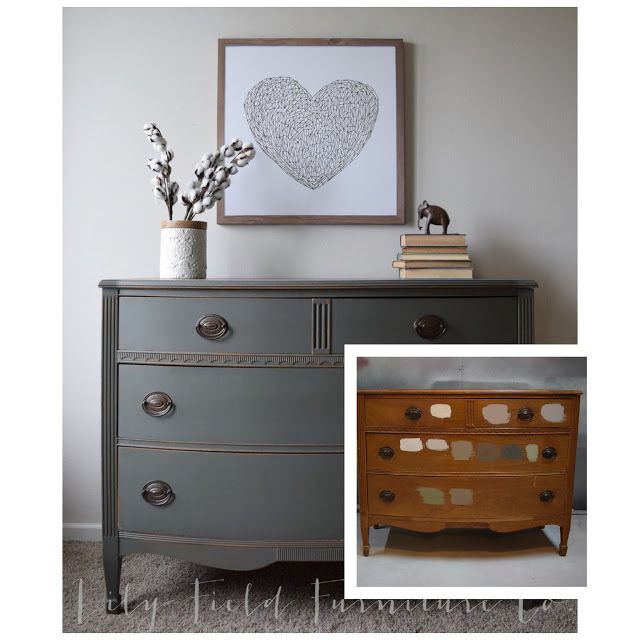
[311, 138]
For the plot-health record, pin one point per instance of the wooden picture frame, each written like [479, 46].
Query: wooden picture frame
[391, 207]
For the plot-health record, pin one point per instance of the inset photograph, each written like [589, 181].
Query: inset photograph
[471, 471]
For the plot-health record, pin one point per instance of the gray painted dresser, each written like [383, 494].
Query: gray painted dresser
[222, 405]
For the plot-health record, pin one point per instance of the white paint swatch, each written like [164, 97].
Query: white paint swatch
[496, 413]
[437, 444]
[410, 444]
[440, 410]
[553, 412]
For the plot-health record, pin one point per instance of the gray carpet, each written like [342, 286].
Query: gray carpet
[161, 599]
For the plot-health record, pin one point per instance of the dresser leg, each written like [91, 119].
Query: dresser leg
[564, 539]
[364, 528]
[112, 562]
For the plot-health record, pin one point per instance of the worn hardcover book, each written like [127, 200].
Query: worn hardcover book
[436, 257]
[435, 250]
[424, 240]
[431, 264]
[426, 274]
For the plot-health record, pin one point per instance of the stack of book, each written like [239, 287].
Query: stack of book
[433, 256]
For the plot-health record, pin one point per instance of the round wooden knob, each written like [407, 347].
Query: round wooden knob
[430, 327]
[386, 452]
[550, 453]
[387, 496]
[157, 493]
[525, 414]
[157, 403]
[547, 496]
[413, 413]
[212, 327]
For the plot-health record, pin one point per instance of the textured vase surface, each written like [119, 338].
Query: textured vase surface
[183, 249]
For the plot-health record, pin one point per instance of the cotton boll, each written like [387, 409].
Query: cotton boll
[232, 170]
[228, 152]
[221, 175]
[198, 208]
[193, 194]
[236, 144]
[207, 201]
[209, 173]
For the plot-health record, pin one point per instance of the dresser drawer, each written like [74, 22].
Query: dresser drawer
[224, 405]
[443, 453]
[467, 498]
[391, 321]
[220, 325]
[523, 412]
[414, 412]
[232, 496]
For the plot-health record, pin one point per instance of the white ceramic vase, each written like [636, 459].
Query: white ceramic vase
[183, 249]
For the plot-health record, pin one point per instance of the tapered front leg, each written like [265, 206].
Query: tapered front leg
[364, 529]
[564, 538]
[112, 564]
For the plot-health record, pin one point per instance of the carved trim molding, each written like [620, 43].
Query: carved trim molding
[214, 542]
[230, 359]
[109, 413]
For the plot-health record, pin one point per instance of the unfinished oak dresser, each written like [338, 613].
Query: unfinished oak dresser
[432, 459]
[222, 406]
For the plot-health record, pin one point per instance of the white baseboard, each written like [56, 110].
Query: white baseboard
[84, 531]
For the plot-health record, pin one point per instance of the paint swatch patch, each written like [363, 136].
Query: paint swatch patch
[431, 495]
[496, 413]
[461, 496]
[437, 444]
[553, 412]
[410, 444]
[462, 449]
[441, 411]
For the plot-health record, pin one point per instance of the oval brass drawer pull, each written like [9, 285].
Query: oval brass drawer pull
[430, 327]
[157, 403]
[157, 493]
[547, 496]
[387, 496]
[212, 327]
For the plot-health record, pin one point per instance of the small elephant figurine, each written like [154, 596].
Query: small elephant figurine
[434, 215]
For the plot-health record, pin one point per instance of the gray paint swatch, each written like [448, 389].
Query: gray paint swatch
[512, 452]
[461, 496]
[487, 451]
[462, 449]
[496, 413]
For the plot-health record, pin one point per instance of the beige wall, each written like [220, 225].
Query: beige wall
[491, 135]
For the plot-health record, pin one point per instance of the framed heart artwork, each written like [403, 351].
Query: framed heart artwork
[326, 117]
